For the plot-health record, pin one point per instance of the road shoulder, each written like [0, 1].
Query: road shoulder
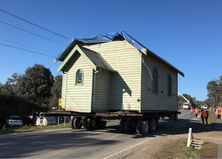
[167, 144]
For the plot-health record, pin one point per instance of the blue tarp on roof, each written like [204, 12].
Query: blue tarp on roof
[101, 38]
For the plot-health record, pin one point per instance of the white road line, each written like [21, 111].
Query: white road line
[128, 148]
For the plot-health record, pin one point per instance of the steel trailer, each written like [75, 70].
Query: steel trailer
[141, 123]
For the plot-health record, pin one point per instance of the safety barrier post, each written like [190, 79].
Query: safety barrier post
[189, 137]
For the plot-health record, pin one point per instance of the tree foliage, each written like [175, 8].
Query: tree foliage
[34, 91]
[56, 91]
[181, 100]
[35, 85]
[214, 89]
[9, 88]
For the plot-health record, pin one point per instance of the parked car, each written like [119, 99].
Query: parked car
[14, 121]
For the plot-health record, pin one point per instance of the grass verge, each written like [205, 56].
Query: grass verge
[112, 121]
[211, 118]
[187, 152]
[39, 128]
[32, 128]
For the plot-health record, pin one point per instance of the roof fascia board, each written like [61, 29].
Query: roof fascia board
[164, 61]
[72, 52]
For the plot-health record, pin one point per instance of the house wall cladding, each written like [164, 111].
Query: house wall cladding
[125, 84]
[160, 101]
[102, 91]
[77, 97]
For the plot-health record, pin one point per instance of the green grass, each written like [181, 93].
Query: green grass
[183, 143]
[210, 119]
[187, 152]
[32, 128]
[112, 121]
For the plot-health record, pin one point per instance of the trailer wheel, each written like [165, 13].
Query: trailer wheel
[71, 122]
[85, 118]
[90, 123]
[171, 117]
[175, 116]
[152, 125]
[157, 120]
[127, 125]
[77, 123]
[144, 127]
[138, 126]
[103, 124]
[121, 125]
[99, 123]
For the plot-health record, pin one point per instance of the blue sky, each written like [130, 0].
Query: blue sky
[186, 33]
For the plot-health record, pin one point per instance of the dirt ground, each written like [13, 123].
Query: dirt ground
[167, 145]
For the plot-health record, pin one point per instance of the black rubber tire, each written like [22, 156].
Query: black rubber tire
[127, 125]
[103, 124]
[152, 124]
[157, 120]
[144, 127]
[77, 123]
[91, 123]
[171, 117]
[121, 125]
[71, 122]
[175, 116]
[85, 118]
[138, 126]
[99, 123]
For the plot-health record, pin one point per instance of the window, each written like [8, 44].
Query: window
[79, 77]
[169, 85]
[155, 80]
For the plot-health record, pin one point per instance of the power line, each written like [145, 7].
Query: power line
[31, 33]
[14, 47]
[33, 24]
[28, 46]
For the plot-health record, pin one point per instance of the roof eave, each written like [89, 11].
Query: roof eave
[70, 55]
[147, 51]
[72, 52]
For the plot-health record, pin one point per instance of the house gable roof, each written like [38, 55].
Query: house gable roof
[102, 38]
[92, 57]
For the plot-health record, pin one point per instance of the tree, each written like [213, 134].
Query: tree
[9, 88]
[35, 85]
[181, 100]
[56, 91]
[1, 88]
[214, 89]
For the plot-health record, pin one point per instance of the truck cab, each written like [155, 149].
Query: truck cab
[186, 106]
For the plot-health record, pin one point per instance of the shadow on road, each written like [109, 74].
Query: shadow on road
[25, 145]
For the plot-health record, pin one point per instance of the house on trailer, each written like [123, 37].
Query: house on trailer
[114, 72]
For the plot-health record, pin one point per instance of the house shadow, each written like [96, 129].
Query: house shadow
[118, 89]
[179, 127]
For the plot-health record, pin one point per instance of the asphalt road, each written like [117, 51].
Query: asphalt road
[79, 143]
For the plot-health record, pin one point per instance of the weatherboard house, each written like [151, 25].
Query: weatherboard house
[114, 72]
